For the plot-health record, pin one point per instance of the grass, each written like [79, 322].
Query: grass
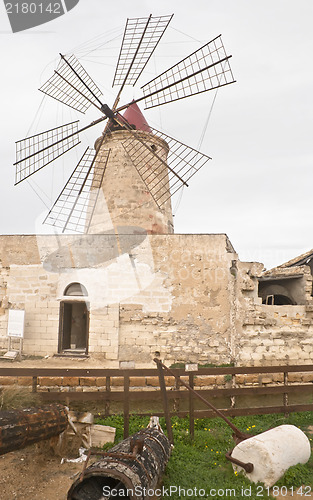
[201, 463]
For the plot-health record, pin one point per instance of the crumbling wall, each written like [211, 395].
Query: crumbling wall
[147, 294]
[279, 334]
[197, 323]
[182, 297]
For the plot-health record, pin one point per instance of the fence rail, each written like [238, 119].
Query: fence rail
[127, 395]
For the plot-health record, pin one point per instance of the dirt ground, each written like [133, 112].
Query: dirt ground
[32, 474]
[35, 474]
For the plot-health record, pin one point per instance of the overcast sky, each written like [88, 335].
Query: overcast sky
[257, 188]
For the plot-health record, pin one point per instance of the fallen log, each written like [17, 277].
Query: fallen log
[131, 469]
[20, 428]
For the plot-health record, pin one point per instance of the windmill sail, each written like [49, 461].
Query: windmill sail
[206, 69]
[74, 207]
[163, 174]
[164, 179]
[72, 85]
[37, 151]
[141, 36]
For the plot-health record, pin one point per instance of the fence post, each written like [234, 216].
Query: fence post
[126, 405]
[191, 408]
[165, 403]
[176, 405]
[34, 386]
[285, 395]
[233, 384]
[107, 390]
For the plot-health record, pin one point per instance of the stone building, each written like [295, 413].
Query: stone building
[129, 289]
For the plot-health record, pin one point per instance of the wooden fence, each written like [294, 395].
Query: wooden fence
[231, 390]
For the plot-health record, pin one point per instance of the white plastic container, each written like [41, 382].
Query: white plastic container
[272, 453]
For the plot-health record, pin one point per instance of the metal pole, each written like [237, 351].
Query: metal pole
[191, 408]
[238, 433]
[165, 402]
[126, 406]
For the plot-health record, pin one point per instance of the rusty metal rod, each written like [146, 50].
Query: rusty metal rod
[237, 432]
[248, 467]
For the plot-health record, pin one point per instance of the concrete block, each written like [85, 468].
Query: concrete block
[154, 381]
[49, 381]
[101, 382]
[70, 381]
[117, 381]
[25, 381]
[8, 380]
[137, 382]
[89, 381]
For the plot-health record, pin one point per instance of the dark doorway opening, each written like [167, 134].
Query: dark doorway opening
[74, 327]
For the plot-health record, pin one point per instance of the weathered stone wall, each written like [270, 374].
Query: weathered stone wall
[183, 297]
[164, 293]
[188, 317]
[276, 334]
[125, 195]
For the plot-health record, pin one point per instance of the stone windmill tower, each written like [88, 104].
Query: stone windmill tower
[128, 179]
[125, 200]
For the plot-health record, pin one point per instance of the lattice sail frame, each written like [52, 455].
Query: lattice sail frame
[37, 151]
[74, 207]
[141, 37]
[72, 85]
[205, 69]
[164, 179]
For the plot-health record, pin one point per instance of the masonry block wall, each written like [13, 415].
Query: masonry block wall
[274, 334]
[183, 297]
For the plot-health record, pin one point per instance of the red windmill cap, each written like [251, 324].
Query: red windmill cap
[135, 117]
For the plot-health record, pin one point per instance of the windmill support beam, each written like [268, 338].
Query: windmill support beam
[20, 428]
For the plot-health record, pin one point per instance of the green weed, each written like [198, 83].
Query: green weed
[200, 464]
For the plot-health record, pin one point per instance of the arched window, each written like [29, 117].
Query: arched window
[75, 290]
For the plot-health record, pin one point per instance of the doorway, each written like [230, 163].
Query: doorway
[74, 327]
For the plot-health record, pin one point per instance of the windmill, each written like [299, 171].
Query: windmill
[162, 174]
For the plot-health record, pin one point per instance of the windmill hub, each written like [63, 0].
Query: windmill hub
[107, 111]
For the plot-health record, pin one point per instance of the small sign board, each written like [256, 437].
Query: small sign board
[11, 355]
[16, 323]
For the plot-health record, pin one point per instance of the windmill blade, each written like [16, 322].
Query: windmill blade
[74, 207]
[141, 37]
[206, 69]
[71, 85]
[161, 178]
[37, 151]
